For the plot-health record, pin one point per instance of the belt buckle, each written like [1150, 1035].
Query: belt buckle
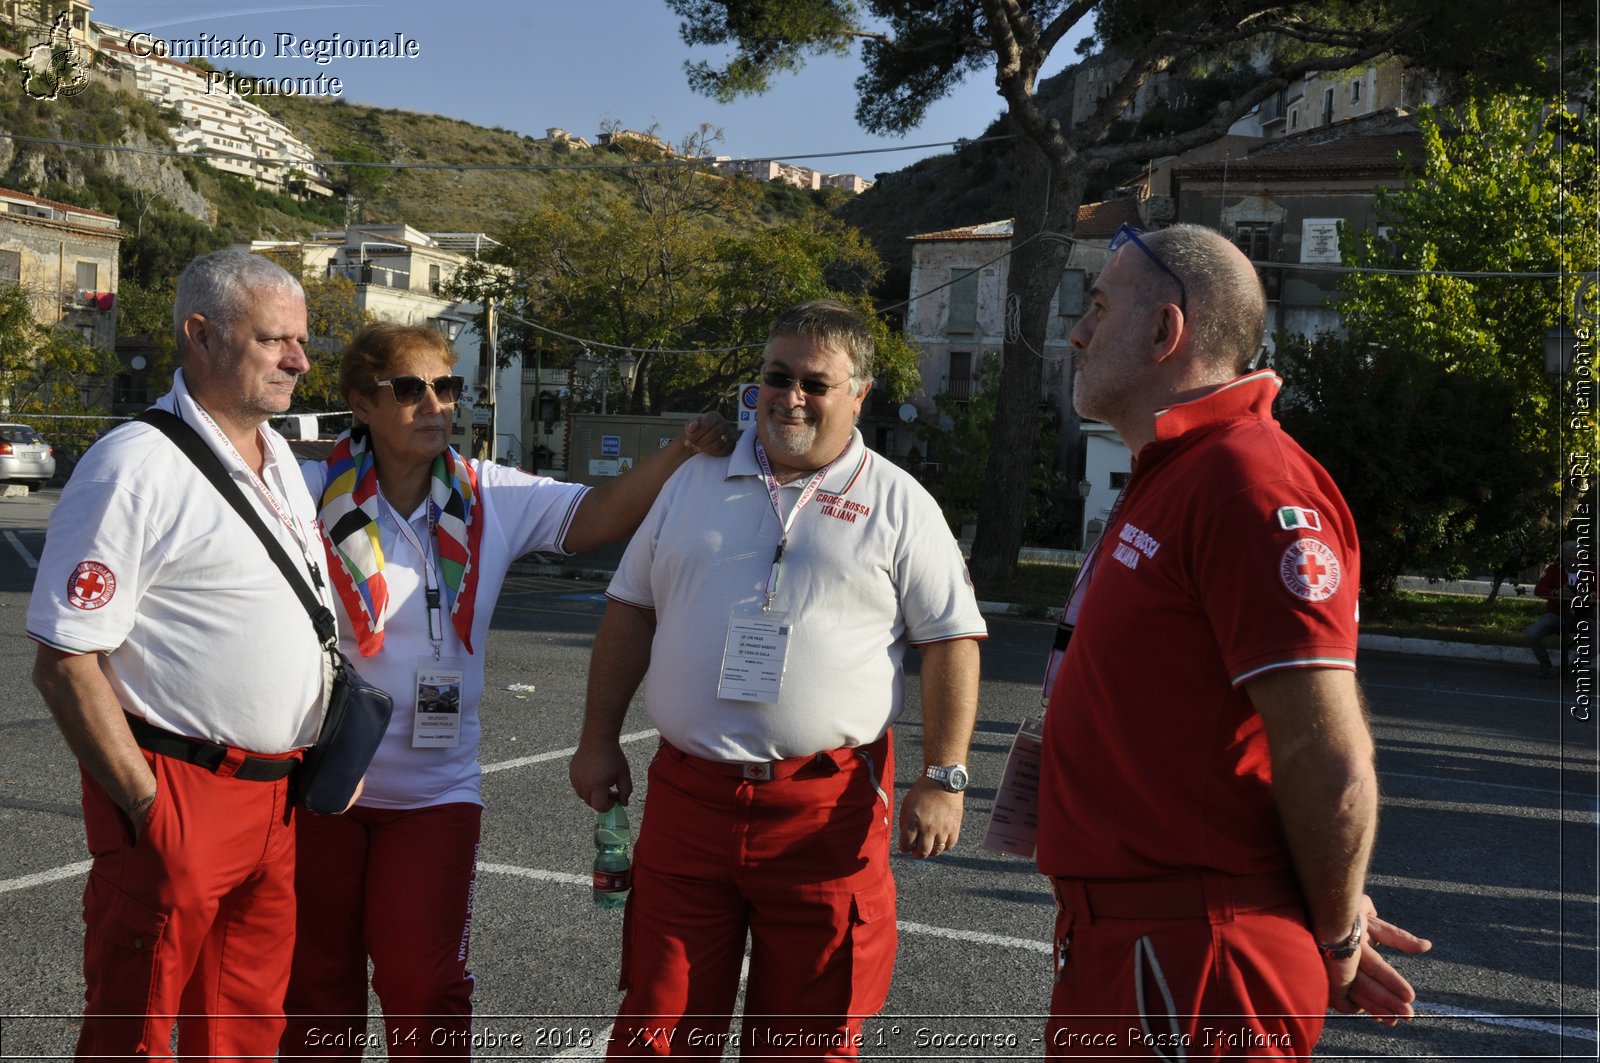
[759, 772]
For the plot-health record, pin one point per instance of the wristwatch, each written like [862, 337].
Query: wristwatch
[1343, 950]
[952, 777]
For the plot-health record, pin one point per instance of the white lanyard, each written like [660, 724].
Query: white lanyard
[806, 495]
[430, 577]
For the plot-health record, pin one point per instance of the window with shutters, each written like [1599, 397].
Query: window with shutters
[958, 385]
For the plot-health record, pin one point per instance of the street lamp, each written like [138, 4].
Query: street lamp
[1558, 343]
[587, 364]
[449, 327]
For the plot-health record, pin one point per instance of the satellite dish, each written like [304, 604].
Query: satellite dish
[908, 412]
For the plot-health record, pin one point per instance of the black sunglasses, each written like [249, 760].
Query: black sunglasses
[1128, 233]
[408, 389]
[783, 382]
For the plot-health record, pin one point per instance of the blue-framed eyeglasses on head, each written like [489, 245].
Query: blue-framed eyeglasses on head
[1128, 234]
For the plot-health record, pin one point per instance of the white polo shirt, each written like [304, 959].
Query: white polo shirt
[870, 567]
[521, 513]
[146, 563]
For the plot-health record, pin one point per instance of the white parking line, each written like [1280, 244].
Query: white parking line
[557, 754]
[1586, 1033]
[16, 544]
[949, 933]
[55, 874]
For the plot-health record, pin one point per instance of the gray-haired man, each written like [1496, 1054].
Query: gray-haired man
[185, 676]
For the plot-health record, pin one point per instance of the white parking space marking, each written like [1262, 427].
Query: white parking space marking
[44, 878]
[975, 936]
[16, 544]
[557, 754]
[1515, 1022]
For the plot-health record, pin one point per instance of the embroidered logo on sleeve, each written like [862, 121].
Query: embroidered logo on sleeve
[91, 585]
[1310, 570]
[1292, 517]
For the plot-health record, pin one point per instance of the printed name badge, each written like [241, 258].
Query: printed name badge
[753, 656]
[436, 719]
[1014, 818]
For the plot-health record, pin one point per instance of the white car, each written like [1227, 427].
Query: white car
[25, 457]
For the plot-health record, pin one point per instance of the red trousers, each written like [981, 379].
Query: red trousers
[396, 885]
[1240, 978]
[800, 863]
[193, 923]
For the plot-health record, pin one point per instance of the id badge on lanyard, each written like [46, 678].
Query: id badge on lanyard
[436, 721]
[753, 656]
[436, 704]
[756, 648]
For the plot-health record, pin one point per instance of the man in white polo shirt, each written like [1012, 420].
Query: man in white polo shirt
[771, 595]
[185, 675]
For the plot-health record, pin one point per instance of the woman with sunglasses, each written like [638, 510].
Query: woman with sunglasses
[418, 543]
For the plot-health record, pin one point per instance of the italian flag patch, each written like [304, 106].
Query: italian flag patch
[1292, 518]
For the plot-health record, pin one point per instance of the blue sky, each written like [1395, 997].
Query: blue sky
[570, 63]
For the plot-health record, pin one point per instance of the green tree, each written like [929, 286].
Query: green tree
[678, 264]
[333, 317]
[959, 443]
[1447, 370]
[916, 52]
[46, 370]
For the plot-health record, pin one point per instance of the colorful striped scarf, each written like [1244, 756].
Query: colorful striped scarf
[348, 515]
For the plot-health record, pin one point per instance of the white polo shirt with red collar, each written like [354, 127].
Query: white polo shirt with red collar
[870, 568]
[1231, 555]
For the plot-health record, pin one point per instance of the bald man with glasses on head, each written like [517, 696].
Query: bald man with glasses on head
[1207, 817]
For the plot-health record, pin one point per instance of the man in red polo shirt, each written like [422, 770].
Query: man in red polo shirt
[1208, 797]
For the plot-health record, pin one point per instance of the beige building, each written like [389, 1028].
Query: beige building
[65, 258]
[400, 273]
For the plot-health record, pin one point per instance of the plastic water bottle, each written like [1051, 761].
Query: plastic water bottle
[613, 866]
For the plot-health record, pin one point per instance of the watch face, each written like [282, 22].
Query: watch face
[956, 779]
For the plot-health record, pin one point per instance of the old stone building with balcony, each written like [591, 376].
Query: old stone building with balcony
[65, 258]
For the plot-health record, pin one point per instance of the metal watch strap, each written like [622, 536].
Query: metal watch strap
[1343, 950]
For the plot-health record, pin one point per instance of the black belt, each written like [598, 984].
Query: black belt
[208, 755]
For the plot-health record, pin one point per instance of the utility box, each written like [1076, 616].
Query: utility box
[602, 447]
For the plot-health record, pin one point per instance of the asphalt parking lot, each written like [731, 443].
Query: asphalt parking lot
[1488, 846]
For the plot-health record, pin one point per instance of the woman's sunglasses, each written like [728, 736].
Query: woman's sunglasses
[408, 389]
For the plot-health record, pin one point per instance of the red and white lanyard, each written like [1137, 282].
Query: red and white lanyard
[286, 517]
[1069, 612]
[806, 495]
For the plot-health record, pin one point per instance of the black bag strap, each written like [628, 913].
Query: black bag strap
[205, 459]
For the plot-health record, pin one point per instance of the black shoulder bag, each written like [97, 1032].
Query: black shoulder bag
[358, 712]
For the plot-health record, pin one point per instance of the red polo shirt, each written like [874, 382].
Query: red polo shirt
[1232, 554]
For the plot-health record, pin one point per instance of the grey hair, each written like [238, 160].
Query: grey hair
[1227, 307]
[832, 324]
[219, 287]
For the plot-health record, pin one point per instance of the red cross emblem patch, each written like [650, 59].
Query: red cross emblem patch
[1310, 569]
[91, 585]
